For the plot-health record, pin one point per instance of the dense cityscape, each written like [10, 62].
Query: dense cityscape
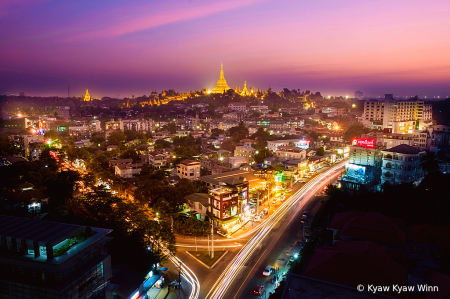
[216, 191]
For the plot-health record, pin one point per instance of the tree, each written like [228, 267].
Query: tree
[429, 163]
[161, 143]
[216, 132]
[262, 155]
[355, 130]
[320, 151]
[228, 145]
[117, 138]
[171, 127]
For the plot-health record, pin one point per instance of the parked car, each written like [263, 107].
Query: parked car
[269, 271]
[264, 212]
[256, 218]
[258, 290]
[304, 218]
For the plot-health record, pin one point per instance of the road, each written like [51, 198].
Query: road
[234, 279]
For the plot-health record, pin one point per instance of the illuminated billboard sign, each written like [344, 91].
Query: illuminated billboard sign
[370, 143]
[355, 171]
[303, 144]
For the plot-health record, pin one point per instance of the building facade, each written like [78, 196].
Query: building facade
[401, 164]
[189, 169]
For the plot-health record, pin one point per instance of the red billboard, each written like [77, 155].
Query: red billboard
[364, 142]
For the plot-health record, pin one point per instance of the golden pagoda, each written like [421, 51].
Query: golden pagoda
[87, 97]
[244, 91]
[222, 85]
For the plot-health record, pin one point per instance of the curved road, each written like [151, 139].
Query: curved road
[233, 279]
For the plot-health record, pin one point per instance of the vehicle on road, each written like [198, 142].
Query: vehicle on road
[304, 218]
[258, 290]
[269, 271]
[264, 212]
[222, 233]
[306, 230]
[256, 218]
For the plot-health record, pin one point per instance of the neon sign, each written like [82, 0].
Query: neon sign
[370, 143]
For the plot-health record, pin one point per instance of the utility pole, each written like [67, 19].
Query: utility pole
[257, 205]
[195, 243]
[172, 222]
[179, 282]
[212, 240]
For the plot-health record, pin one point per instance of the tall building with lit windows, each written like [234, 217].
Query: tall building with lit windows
[397, 116]
[405, 117]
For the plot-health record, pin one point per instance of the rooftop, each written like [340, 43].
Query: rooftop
[403, 149]
[351, 263]
[429, 234]
[202, 198]
[369, 226]
[298, 286]
[189, 162]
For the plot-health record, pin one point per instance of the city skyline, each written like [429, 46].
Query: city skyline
[122, 50]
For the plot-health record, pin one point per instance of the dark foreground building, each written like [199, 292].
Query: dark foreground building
[41, 259]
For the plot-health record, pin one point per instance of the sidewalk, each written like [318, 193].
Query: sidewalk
[185, 290]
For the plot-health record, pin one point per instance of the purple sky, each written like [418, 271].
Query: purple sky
[133, 47]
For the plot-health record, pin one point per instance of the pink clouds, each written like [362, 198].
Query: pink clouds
[160, 18]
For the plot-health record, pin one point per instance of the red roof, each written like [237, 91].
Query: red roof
[429, 234]
[442, 281]
[370, 226]
[351, 263]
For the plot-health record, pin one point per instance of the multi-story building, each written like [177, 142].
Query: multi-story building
[138, 125]
[406, 116]
[373, 114]
[157, 160]
[228, 205]
[284, 153]
[300, 143]
[41, 259]
[189, 169]
[401, 164]
[439, 136]
[364, 169]
[127, 171]
[398, 116]
[244, 151]
[236, 106]
[236, 162]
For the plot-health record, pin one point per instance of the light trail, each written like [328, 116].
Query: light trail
[299, 198]
[186, 272]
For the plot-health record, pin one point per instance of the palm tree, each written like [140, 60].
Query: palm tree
[429, 163]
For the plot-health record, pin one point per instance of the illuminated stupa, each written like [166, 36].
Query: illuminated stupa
[87, 97]
[222, 85]
[244, 91]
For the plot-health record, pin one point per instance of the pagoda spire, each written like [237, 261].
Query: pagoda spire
[221, 86]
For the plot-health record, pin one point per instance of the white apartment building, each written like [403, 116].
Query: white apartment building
[401, 164]
[244, 151]
[127, 171]
[157, 160]
[284, 153]
[137, 125]
[300, 143]
[236, 106]
[236, 162]
[189, 169]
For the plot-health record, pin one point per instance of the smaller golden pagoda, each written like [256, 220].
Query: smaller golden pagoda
[221, 86]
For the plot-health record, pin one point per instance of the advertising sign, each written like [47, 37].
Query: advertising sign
[370, 143]
[303, 144]
[355, 171]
